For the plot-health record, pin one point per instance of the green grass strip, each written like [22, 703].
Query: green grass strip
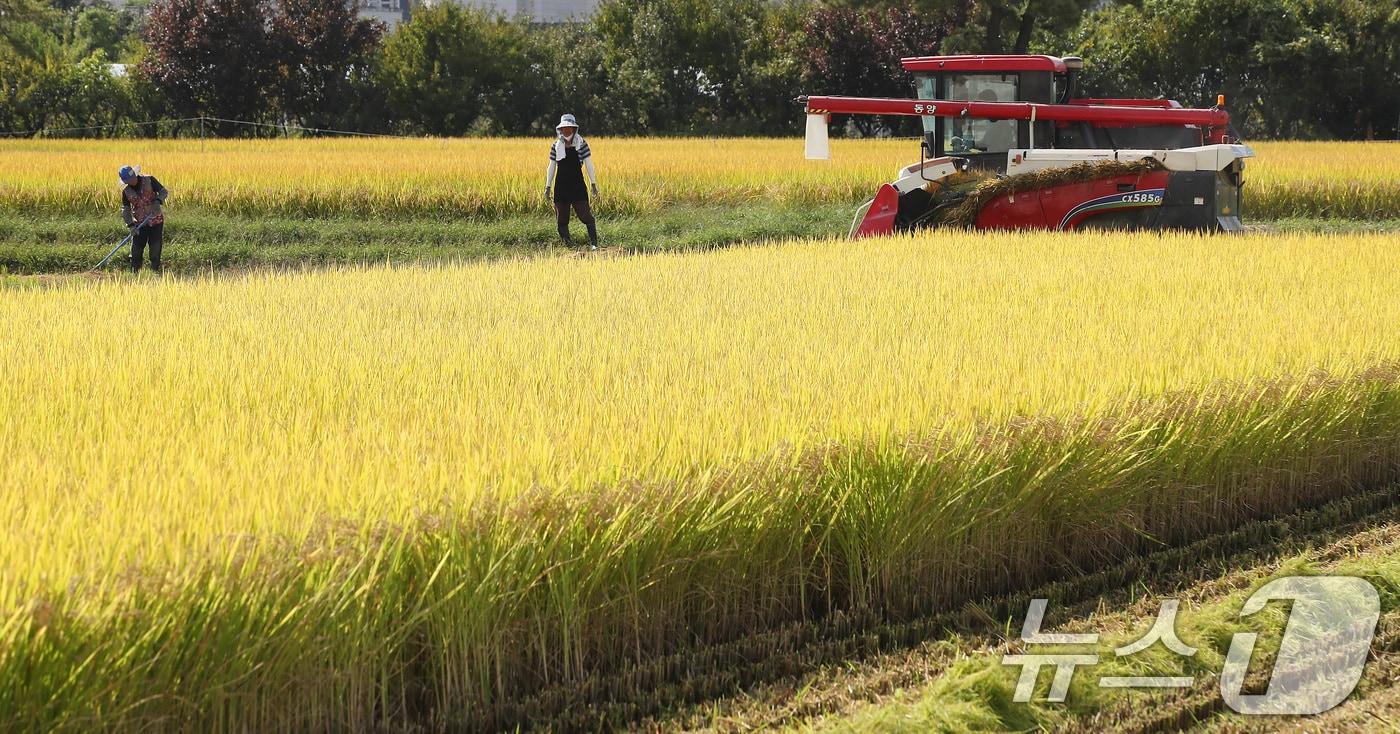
[198, 241]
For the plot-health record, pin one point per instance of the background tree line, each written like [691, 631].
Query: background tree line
[1291, 68]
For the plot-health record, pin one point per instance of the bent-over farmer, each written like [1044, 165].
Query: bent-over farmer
[142, 200]
[568, 156]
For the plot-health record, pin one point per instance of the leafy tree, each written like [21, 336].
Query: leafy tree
[987, 26]
[1295, 68]
[1190, 51]
[1348, 52]
[1288, 68]
[92, 96]
[770, 75]
[525, 102]
[21, 82]
[57, 94]
[1018, 26]
[448, 68]
[684, 65]
[324, 52]
[571, 69]
[54, 68]
[101, 28]
[23, 25]
[858, 52]
[213, 57]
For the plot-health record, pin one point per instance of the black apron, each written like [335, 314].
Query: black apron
[568, 181]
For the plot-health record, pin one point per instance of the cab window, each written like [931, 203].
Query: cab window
[926, 86]
[972, 135]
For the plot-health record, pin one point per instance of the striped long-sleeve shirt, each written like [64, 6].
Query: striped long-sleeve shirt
[558, 151]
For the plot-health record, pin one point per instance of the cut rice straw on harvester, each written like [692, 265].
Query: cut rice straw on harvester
[964, 213]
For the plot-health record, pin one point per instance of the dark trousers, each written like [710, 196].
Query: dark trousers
[153, 235]
[585, 215]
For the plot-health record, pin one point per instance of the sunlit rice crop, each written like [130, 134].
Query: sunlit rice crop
[348, 497]
[493, 177]
[1323, 179]
[448, 177]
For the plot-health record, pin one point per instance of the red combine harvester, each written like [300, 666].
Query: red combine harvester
[1008, 144]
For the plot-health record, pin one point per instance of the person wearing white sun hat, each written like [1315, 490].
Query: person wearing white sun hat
[563, 184]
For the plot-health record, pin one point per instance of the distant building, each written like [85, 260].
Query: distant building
[546, 11]
[392, 12]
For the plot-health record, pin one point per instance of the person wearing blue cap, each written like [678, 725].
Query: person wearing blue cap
[143, 201]
[568, 156]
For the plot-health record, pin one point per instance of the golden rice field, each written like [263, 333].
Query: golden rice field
[493, 177]
[346, 499]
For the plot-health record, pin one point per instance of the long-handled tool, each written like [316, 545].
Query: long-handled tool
[120, 245]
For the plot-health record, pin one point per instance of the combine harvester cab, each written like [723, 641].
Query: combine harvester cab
[1008, 145]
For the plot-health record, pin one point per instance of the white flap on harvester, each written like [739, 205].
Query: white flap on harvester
[818, 145]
